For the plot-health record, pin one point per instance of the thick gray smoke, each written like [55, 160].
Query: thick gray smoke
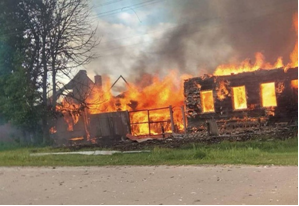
[205, 34]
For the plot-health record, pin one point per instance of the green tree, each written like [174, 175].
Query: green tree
[40, 40]
[18, 96]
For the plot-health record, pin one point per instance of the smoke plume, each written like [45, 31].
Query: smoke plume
[196, 36]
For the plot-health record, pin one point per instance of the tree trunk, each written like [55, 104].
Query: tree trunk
[45, 100]
[54, 98]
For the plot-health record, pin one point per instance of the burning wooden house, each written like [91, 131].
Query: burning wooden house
[254, 98]
[90, 112]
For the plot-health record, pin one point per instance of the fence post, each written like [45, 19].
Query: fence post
[129, 122]
[171, 118]
[184, 117]
[149, 126]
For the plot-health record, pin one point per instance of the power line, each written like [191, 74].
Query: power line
[233, 22]
[176, 26]
[108, 13]
[180, 25]
[125, 8]
[108, 3]
[134, 6]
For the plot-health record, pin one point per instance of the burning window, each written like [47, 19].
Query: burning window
[239, 97]
[294, 83]
[268, 94]
[207, 101]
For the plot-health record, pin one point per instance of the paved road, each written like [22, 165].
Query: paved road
[149, 185]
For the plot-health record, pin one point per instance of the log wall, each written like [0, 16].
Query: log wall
[287, 101]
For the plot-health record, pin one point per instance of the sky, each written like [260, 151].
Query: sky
[141, 37]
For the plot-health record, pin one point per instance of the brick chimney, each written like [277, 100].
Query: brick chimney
[82, 74]
[98, 80]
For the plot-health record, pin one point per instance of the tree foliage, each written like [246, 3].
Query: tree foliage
[40, 40]
[16, 92]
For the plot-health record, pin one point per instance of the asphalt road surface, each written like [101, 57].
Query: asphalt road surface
[149, 185]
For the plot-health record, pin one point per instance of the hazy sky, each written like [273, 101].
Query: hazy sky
[193, 36]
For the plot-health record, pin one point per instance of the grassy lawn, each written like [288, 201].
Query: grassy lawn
[254, 152]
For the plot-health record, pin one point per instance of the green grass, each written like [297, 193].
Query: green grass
[254, 152]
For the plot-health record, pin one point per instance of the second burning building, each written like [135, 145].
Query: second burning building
[262, 95]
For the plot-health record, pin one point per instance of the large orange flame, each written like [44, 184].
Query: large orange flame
[160, 94]
[222, 91]
[260, 63]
